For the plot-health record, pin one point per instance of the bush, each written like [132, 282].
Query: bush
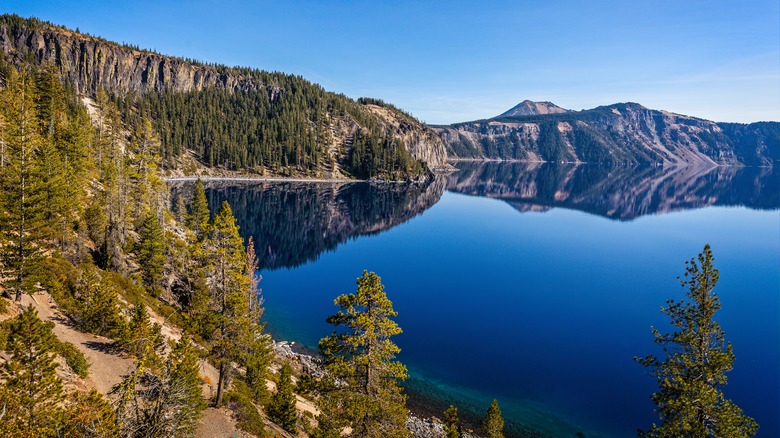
[74, 358]
[247, 416]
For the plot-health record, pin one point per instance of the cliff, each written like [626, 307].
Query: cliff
[625, 133]
[90, 64]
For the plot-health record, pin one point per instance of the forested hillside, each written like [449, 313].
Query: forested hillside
[230, 118]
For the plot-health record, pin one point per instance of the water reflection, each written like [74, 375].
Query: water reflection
[621, 193]
[293, 222]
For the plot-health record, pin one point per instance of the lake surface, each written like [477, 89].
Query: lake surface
[532, 284]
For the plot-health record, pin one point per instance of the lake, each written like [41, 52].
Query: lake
[532, 284]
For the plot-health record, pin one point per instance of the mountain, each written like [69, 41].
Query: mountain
[624, 133]
[231, 118]
[529, 108]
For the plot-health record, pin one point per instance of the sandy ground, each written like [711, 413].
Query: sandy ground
[106, 367]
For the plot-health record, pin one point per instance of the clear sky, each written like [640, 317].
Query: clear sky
[448, 61]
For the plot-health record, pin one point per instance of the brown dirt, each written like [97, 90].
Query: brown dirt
[106, 367]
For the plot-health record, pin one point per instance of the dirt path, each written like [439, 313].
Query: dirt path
[106, 367]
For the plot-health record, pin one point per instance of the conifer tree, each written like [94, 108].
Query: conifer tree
[361, 356]
[493, 424]
[98, 304]
[180, 209]
[451, 427]
[20, 185]
[258, 354]
[199, 210]
[690, 402]
[228, 290]
[32, 392]
[281, 410]
[151, 254]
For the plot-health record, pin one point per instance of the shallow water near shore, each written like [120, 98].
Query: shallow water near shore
[540, 302]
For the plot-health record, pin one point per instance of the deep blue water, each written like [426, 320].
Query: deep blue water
[543, 310]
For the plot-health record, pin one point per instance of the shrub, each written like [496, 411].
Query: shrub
[239, 400]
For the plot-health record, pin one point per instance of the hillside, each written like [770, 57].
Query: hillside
[229, 117]
[624, 133]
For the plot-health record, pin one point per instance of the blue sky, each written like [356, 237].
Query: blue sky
[452, 61]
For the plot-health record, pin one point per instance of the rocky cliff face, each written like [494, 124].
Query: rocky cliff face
[620, 133]
[90, 64]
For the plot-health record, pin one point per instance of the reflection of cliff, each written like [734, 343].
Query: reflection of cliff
[617, 192]
[293, 223]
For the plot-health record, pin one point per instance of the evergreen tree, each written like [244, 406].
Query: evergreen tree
[180, 209]
[199, 210]
[360, 356]
[98, 304]
[690, 401]
[258, 355]
[451, 427]
[493, 424]
[151, 254]
[21, 186]
[142, 338]
[229, 284]
[32, 392]
[281, 410]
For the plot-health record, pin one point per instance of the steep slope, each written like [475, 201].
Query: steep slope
[621, 133]
[529, 108]
[234, 118]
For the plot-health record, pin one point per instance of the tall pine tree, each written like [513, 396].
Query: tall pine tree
[690, 402]
[21, 185]
[361, 356]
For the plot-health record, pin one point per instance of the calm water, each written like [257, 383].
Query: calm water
[535, 285]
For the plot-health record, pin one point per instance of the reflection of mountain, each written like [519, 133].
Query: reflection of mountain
[293, 223]
[617, 192]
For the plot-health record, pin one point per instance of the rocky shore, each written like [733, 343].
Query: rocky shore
[420, 425]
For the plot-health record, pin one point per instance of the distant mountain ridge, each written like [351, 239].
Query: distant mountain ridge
[623, 133]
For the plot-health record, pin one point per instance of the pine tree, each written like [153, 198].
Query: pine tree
[151, 254]
[199, 210]
[180, 208]
[98, 304]
[258, 355]
[451, 426]
[32, 392]
[690, 402]
[493, 424]
[281, 410]
[21, 186]
[228, 289]
[361, 357]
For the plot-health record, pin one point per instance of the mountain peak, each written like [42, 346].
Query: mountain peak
[530, 108]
